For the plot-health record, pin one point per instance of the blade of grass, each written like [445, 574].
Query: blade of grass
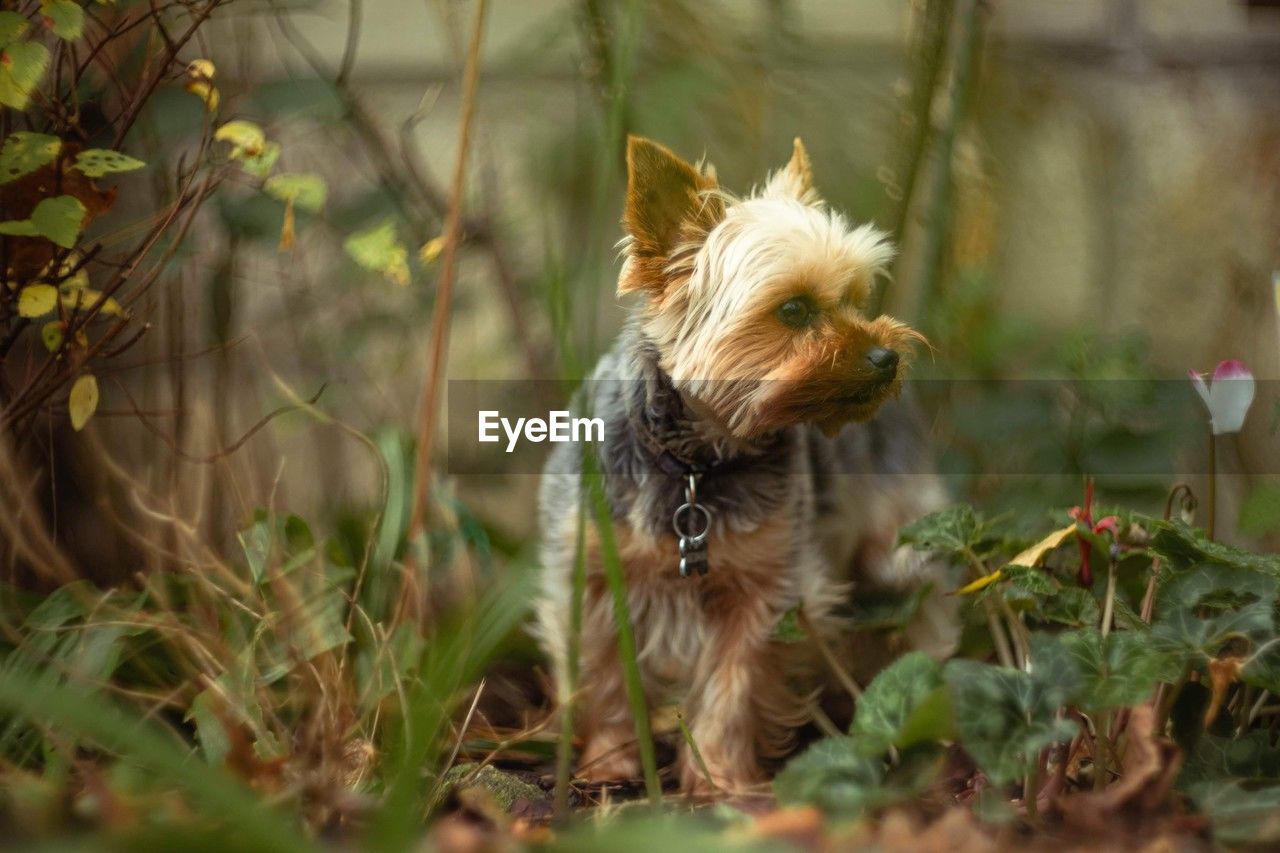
[564, 750]
[594, 482]
[211, 791]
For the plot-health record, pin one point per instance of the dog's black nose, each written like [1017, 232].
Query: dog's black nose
[882, 359]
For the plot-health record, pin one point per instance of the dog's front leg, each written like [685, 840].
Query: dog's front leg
[724, 707]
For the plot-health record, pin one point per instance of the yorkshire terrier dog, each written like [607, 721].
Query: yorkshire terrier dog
[756, 462]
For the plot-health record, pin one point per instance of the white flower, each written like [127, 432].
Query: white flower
[1227, 395]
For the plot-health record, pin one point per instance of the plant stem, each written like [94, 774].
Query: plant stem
[999, 637]
[1213, 484]
[1108, 607]
[444, 287]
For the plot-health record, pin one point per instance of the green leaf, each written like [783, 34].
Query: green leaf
[64, 17]
[19, 228]
[12, 27]
[1239, 814]
[1071, 606]
[306, 191]
[1250, 757]
[1186, 548]
[834, 776]
[378, 249]
[60, 219]
[1117, 671]
[24, 152]
[260, 165]
[1003, 717]
[96, 162]
[1263, 668]
[22, 64]
[951, 530]
[255, 541]
[890, 699]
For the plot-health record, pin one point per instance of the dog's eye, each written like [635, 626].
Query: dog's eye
[797, 312]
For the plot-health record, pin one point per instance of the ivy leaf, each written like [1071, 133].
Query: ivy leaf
[60, 219]
[96, 162]
[1003, 717]
[24, 152]
[951, 530]
[83, 401]
[1250, 757]
[64, 17]
[378, 249]
[36, 300]
[1116, 671]
[305, 190]
[246, 138]
[890, 700]
[1071, 606]
[1185, 548]
[834, 776]
[22, 64]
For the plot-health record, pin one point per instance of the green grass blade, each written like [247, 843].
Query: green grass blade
[626, 638]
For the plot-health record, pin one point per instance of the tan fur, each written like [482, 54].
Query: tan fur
[711, 272]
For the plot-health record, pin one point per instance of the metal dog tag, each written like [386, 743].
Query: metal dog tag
[692, 524]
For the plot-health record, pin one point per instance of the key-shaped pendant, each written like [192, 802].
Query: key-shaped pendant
[692, 524]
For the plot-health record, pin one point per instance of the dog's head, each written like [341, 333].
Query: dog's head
[757, 305]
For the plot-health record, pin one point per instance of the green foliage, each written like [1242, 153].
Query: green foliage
[24, 152]
[96, 162]
[307, 191]
[1004, 716]
[378, 249]
[1115, 671]
[892, 704]
[58, 219]
[64, 17]
[22, 65]
[953, 530]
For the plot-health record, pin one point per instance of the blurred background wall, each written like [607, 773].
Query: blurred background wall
[1109, 187]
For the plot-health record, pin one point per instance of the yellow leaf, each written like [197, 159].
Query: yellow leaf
[83, 401]
[206, 92]
[431, 250]
[85, 298]
[36, 300]
[981, 583]
[51, 335]
[246, 138]
[1033, 555]
[201, 69]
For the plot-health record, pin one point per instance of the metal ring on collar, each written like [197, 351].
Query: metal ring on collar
[685, 513]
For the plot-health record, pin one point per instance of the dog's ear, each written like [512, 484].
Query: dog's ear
[795, 179]
[668, 204]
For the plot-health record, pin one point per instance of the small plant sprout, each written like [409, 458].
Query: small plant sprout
[1227, 395]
